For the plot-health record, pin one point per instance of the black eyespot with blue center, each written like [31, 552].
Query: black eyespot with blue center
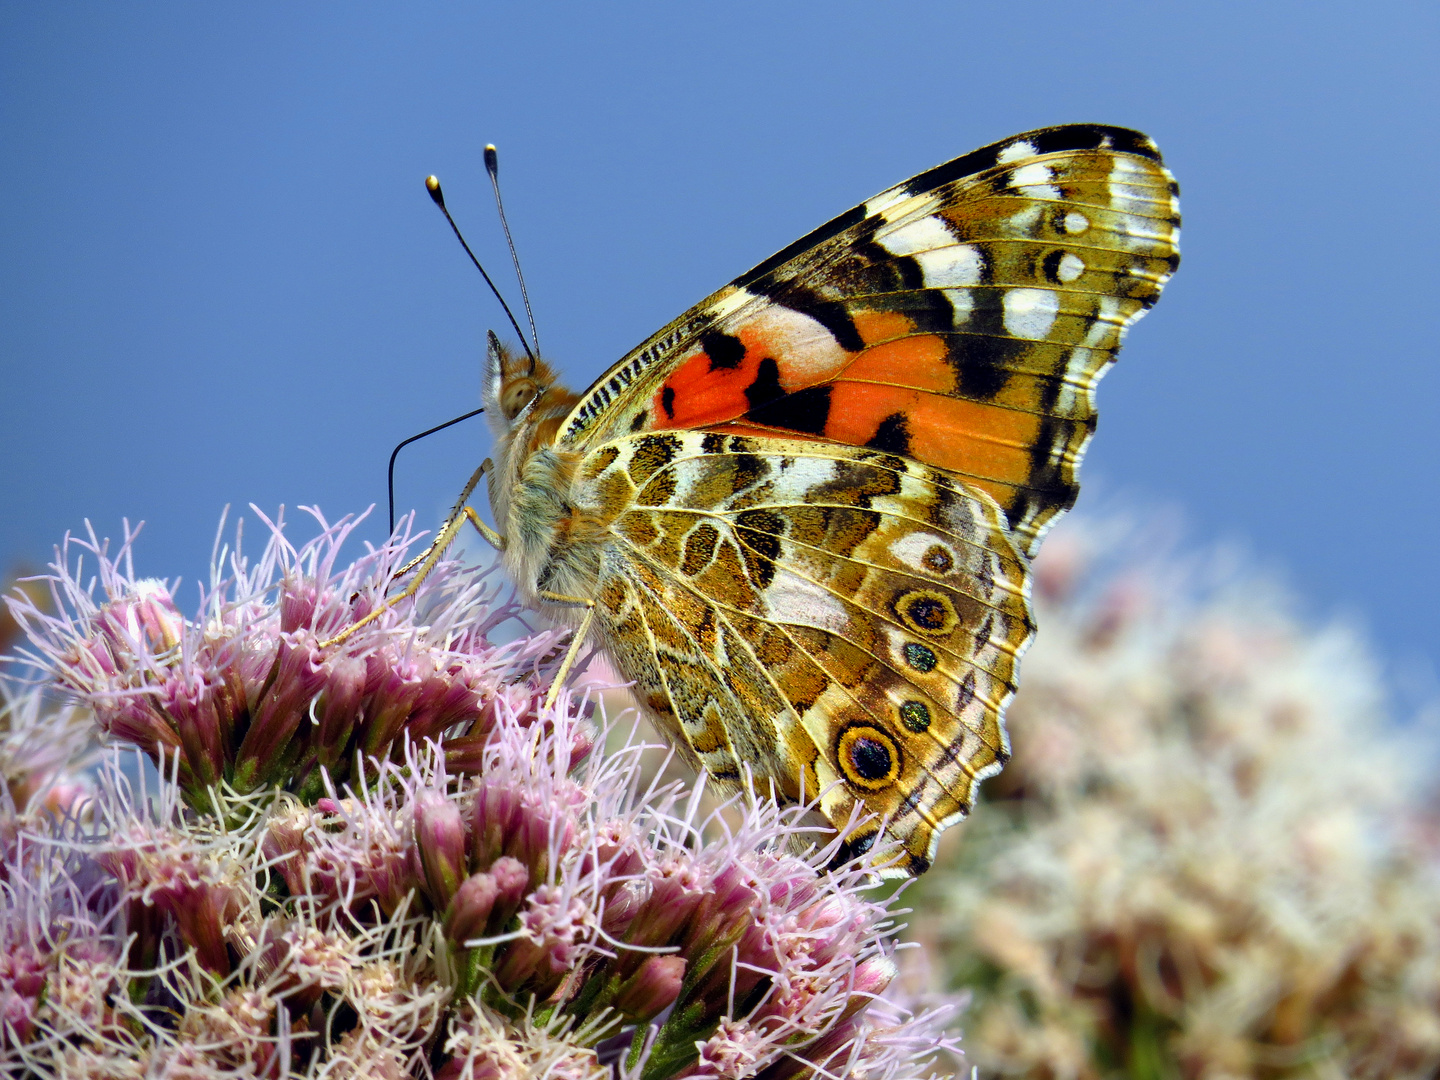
[915, 716]
[919, 657]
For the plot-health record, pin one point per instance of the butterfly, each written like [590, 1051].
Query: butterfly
[800, 517]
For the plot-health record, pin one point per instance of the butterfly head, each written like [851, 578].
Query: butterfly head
[512, 384]
[522, 400]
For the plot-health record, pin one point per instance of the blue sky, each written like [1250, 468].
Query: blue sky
[221, 280]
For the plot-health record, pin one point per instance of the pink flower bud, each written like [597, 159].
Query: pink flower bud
[284, 845]
[17, 1014]
[652, 989]
[582, 741]
[733, 1050]
[676, 892]
[512, 880]
[622, 904]
[394, 686]
[872, 976]
[497, 811]
[144, 621]
[136, 719]
[440, 841]
[830, 925]
[723, 909]
[470, 910]
[265, 752]
[521, 700]
[299, 598]
[555, 928]
[443, 701]
[338, 707]
[23, 968]
[617, 850]
[465, 754]
[204, 736]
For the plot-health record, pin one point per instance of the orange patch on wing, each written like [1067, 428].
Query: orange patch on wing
[880, 326]
[975, 440]
[698, 394]
[979, 440]
[917, 362]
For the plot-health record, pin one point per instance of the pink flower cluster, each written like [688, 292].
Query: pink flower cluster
[388, 859]
[246, 697]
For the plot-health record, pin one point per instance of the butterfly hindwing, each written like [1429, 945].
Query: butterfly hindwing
[838, 619]
[961, 319]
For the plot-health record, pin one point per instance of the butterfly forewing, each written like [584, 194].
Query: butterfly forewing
[805, 508]
[961, 319]
[846, 622]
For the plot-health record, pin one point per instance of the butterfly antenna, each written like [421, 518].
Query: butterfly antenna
[492, 166]
[432, 185]
[396, 453]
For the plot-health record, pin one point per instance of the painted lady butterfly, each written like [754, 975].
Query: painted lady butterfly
[800, 517]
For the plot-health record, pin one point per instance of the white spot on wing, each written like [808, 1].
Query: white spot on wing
[957, 265]
[885, 201]
[963, 516]
[1071, 267]
[799, 477]
[1034, 180]
[894, 205]
[923, 234]
[910, 549]
[1076, 222]
[731, 302]
[962, 305]
[1015, 151]
[1026, 220]
[1133, 189]
[1030, 313]
[1103, 333]
[803, 348]
[791, 598]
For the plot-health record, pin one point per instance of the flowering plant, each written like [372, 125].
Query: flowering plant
[390, 859]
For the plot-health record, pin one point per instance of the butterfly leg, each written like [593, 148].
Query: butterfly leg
[576, 640]
[428, 559]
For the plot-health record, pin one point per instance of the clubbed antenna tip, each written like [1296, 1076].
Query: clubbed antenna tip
[492, 166]
[432, 185]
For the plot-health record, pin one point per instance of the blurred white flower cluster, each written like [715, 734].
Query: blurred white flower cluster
[1202, 860]
[388, 859]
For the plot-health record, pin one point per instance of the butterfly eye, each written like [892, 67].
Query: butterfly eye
[516, 394]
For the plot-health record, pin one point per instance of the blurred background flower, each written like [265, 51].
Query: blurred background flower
[1206, 858]
[388, 859]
